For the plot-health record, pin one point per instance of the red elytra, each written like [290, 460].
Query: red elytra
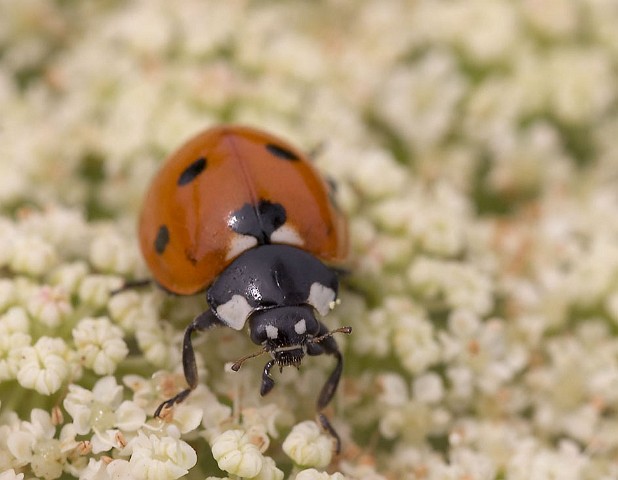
[184, 228]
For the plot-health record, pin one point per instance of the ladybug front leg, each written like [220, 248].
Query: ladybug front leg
[329, 346]
[202, 322]
[267, 381]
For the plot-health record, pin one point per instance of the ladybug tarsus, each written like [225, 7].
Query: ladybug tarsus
[171, 402]
[324, 422]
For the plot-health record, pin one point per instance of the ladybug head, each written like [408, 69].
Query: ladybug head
[284, 332]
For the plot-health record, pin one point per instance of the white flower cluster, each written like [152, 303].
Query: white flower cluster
[474, 147]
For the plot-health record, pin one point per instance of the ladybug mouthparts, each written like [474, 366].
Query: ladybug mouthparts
[288, 355]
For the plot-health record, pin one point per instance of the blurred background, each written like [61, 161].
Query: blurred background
[475, 147]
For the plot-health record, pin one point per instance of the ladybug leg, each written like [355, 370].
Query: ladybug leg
[329, 346]
[202, 322]
[267, 381]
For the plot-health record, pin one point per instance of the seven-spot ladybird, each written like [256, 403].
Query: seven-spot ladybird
[243, 214]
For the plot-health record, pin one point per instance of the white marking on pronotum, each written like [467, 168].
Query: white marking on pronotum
[234, 312]
[288, 235]
[239, 244]
[321, 298]
[300, 327]
[272, 332]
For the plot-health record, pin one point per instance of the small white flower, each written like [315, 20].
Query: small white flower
[126, 420]
[93, 408]
[216, 415]
[40, 425]
[187, 417]
[313, 474]
[111, 253]
[95, 470]
[43, 367]
[554, 18]
[308, 446]
[375, 338]
[461, 380]
[11, 475]
[464, 324]
[260, 424]
[144, 390]
[580, 83]
[153, 339]
[62, 227]
[465, 463]
[95, 290]
[32, 256]
[14, 326]
[393, 390]
[458, 284]
[531, 460]
[8, 237]
[378, 175]
[155, 458]
[105, 470]
[428, 388]
[20, 446]
[269, 471]
[8, 294]
[68, 440]
[47, 461]
[419, 101]
[10, 423]
[68, 276]
[415, 342]
[128, 308]
[49, 305]
[234, 453]
[120, 470]
[391, 423]
[103, 412]
[34, 444]
[99, 344]
[15, 320]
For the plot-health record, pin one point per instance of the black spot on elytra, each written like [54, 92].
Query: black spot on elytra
[281, 152]
[163, 238]
[192, 171]
[259, 221]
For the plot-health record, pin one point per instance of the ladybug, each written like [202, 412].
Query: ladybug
[244, 215]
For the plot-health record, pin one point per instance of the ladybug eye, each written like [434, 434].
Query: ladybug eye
[281, 152]
[192, 171]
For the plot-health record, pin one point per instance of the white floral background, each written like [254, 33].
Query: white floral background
[475, 144]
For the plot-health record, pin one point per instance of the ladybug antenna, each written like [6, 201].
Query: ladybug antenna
[236, 366]
[347, 330]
